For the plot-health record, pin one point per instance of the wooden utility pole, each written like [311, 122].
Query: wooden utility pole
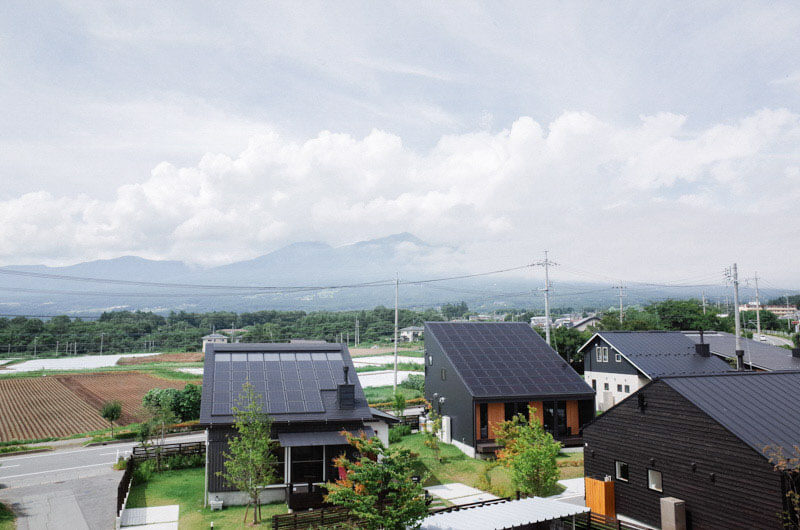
[396, 320]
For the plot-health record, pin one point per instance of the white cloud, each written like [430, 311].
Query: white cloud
[568, 185]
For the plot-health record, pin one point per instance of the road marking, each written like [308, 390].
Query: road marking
[55, 470]
[6, 467]
[126, 447]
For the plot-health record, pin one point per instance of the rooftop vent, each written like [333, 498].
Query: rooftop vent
[795, 352]
[346, 393]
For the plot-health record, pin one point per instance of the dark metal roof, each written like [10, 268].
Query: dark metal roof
[384, 416]
[302, 439]
[662, 353]
[760, 408]
[297, 382]
[506, 359]
[759, 354]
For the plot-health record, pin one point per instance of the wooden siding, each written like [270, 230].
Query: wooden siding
[497, 415]
[573, 421]
[539, 411]
[600, 496]
[745, 492]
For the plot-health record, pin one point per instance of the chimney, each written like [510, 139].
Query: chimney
[702, 349]
[795, 352]
[740, 360]
[346, 393]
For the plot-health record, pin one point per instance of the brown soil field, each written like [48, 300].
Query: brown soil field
[42, 407]
[187, 357]
[364, 352]
[126, 387]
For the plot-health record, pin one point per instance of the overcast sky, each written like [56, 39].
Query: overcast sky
[656, 142]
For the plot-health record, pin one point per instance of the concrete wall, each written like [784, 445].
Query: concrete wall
[276, 493]
[608, 398]
[381, 429]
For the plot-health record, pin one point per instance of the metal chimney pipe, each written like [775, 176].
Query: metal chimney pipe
[740, 360]
[346, 377]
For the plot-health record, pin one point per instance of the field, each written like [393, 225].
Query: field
[33, 408]
[126, 387]
[183, 357]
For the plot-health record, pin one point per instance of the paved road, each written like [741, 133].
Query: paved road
[778, 341]
[77, 484]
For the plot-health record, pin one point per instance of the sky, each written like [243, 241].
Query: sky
[634, 140]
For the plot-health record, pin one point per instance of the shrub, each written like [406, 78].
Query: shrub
[414, 382]
[144, 471]
[397, 432]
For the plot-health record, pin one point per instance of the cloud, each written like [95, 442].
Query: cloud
[570, 184]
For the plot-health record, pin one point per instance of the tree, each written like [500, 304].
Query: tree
[377, 487]
[399, 404]
[159, 403]
[111, 412]
[451, 311]
[186, 404]
[432, 429]
[529, 452]
[250, 461]
[789, 467]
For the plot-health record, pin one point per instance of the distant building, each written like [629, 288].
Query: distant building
[757, 355]
[411, 333]
[539, 322]
[563, 322]
[214, 338]
[779, 310]
[585, 323]
[234, 335]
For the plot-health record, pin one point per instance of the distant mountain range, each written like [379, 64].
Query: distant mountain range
[43, 290]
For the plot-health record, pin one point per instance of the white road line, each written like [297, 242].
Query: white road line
[6, 467]
[55, 470]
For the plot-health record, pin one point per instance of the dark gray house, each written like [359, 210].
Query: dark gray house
[618, 363]
[480, 374]
[757, 355]
[708, 440]
[311, 392]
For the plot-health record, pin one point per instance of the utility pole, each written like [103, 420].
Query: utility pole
[758, 308]
[703, 294]
[396, 320]
[788, 318]
[357, 337]
[546, 298]
[101, 343]
[621, 294]
[34, 345]
[732, 274]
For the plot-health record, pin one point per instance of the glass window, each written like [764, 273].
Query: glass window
[654, 480]
[618, 357]
[605, 354]
[599, 354]
[594, 384]
[627, 388]
[619, 388]
[307, 464]
[622, 470]
[222, 357]
[605, 386]
[483, 410]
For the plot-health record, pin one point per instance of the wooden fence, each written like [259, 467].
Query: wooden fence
[125, 485]
[141, 453]
[311, 519]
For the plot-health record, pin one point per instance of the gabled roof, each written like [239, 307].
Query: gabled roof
[661, 353]
[506, 359]
[298, 382]
[759, 354]
[760, 408]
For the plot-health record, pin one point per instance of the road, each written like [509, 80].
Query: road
[776, 340]
[76, 484]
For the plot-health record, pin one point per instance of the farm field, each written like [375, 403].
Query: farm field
[42, 407]
[58, 406]
[183, 357]
[126, 387]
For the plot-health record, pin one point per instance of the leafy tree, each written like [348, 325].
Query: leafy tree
[399, 404]
[432, 429]
[160, 403]
[186, 404]
[529, 452]
[250, 461]
[789, 467]
[452, 311]
[111, 412]
[377, 487]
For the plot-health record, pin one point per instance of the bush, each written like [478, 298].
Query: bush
[414, 382]
[144, 471]
[397, 432]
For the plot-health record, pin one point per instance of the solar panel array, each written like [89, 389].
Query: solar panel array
[289, 382]
[506, 359]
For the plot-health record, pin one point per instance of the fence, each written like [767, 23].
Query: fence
[124, 486]
[311, 519]
[598, 521]
[141, 453]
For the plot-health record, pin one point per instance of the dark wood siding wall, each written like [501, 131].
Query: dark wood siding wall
[744, 493]
[458, 403]
[590, 361]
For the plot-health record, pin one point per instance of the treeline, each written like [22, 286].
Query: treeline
[127, 331]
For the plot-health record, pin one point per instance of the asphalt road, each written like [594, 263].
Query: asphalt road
[76, 484]
[777, 341]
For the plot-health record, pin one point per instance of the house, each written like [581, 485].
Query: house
[779, 310]
[539, 322]
[310, 391]
[411, 333]
[480, 374]
[618, 363]
[757, 355]
[234, 335]
[707, 440]
[585, 323]
[213, 338]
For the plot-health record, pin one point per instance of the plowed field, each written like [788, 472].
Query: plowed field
[185, 357]
[42, 407]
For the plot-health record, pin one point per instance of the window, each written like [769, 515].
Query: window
[618, 357]
[628, 388]
[594, 384]
[622, 470]
[605, 386]
[599, 353]
[512, 409]
[654, 480]
[619, 388]
[483, 410]
[605, 354]
[444, 374]
[307, 464]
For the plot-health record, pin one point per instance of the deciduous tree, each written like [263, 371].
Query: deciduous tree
[111, 412]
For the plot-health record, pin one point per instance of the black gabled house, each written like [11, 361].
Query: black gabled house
[480, 374]
[709, 440]
[312, 393]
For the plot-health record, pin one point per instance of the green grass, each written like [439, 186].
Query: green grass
[390, 366]
[385, 394]
[21, 448]
[185, 488]
[6, 518]
[458, 467]
[163, 370]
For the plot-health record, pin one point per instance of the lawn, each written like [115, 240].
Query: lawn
[481, 474]
[411, 367]
[6, 518]
[185, 488]
[385, 394]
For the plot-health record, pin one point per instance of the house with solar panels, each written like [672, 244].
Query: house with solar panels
[700, 450]
[311, 392]
[478, 375]
[618, 363]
